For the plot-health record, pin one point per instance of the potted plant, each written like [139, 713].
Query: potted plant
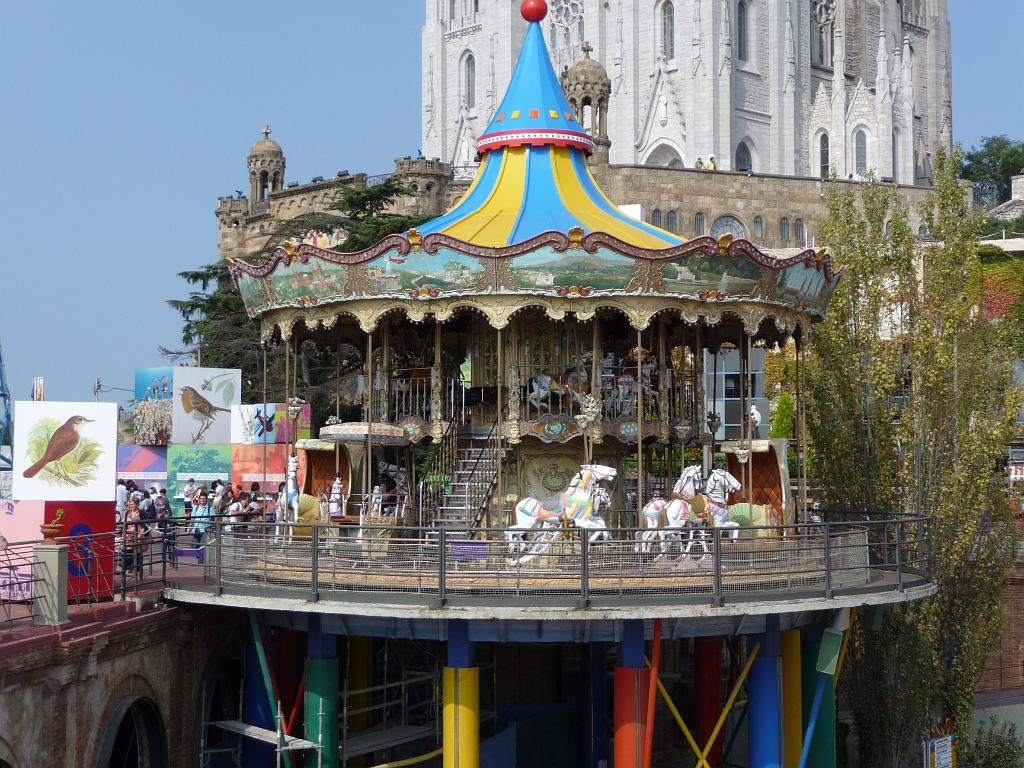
[53, 528]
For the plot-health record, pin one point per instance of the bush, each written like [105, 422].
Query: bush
[782, 421]
[995, 745]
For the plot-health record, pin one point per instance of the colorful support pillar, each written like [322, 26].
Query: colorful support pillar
[256, 709]
[630, 698]
[595, 738]
[320, 701]
[708, 683]
[792, 696]
[819, 706]
[461, 701]
[764, 699]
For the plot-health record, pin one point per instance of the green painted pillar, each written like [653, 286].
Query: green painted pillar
[320, 702]
[823, 742]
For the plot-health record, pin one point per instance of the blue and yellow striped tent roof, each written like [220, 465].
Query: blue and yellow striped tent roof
[534, 176]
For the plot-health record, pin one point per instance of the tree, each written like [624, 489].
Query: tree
[217, 332]
[910, 408]
[782, 421]
[992, 166]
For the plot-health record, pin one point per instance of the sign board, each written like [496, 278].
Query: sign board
[940, 752]
[828, 656]
[1016, 472]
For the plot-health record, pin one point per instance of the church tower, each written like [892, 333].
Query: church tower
[588, 89]
[266, 170]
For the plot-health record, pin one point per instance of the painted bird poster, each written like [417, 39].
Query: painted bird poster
[203, 398]
[65, 451]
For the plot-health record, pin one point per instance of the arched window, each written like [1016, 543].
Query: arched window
[469, 81]
[922, 231]
[698, 224]
[758, 228]
[783, 228]
[743, 161]
[451, 10]
[476, 6]
[656, 217]
[860, 147]
[671, 223]
[825, 165]
[741, 31]
[264, 185]
[668, 29]
[798, 230]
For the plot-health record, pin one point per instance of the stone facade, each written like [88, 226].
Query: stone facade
[750, 82]
[64, 693]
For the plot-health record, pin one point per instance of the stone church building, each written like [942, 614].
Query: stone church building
[747, 87]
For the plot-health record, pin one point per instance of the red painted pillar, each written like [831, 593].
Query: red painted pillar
[630, 697]
[708, 681]
[287, 665]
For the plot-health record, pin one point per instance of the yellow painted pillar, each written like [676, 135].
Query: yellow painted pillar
[792, 696]
[461, 717]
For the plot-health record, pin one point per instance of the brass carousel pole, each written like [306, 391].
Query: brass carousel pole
[595, 382]
[501, 440]
[367, 471]
[639, 427]
[263, 346]
[287, 380]
[750, 421]
[337, 407]
[801, 395]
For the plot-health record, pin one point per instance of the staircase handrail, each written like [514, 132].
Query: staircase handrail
[478, 500]
[442, 464]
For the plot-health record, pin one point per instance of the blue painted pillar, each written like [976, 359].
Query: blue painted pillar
[764, 720]
[595, 737]
[256, 710]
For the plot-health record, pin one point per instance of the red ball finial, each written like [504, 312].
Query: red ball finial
[534, 10]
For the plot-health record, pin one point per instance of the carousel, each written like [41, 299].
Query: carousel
[569, 366]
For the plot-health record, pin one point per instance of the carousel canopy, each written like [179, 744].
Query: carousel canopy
[534, 176]
[535, 231]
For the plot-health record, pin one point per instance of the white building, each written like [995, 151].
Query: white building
[749, 82]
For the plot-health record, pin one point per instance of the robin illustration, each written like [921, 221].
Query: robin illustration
[200, 409]
[62, 442]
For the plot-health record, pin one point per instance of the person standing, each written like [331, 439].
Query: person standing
[711, 163]
[201, 514]
[187, 493]
[120, 500]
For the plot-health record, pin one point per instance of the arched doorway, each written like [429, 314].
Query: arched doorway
[664, 156]
[134, 737]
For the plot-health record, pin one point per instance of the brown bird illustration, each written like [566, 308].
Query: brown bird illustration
[62, 442]
[200, 409]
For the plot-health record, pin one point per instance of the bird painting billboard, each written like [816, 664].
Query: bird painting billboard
[65, 451]
[203, 398]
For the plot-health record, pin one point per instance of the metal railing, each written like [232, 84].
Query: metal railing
[17, 584]
[564, 567]
[412, 394]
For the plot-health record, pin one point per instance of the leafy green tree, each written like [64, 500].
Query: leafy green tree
[996, 745]
[782, 420]
[217, 332]
[910, 409]
[991, 166]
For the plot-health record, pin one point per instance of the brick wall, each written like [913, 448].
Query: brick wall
[1005, 667]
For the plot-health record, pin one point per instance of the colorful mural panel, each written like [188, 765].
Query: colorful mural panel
[202, 405]
[255, 424]
[143, 464]
[248, 466]
[297, 428]
[65, 451]
[88, 526]
[202, 463]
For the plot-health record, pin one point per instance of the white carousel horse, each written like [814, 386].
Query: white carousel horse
[717, 488]
[335, 502]
[664, 517]
[574, 505]
[576, 385]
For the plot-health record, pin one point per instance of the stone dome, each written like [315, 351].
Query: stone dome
[587, 74]
[266, 147]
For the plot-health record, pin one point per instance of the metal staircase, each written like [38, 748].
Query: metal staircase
[463, 488]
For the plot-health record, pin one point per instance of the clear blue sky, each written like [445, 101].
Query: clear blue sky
[122, 122]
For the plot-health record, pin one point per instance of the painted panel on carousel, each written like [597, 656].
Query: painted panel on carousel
[422, 275]
[202, 404]
[65, 451]
[712, 278]
[576, 273]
